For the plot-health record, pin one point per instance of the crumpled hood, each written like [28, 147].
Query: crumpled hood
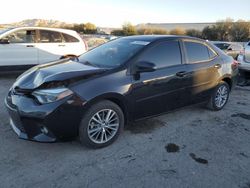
[56, 71]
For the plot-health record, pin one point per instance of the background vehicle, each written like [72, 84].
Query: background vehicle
[244, 68]
[24, 47]
[124, 80]
[232, 49]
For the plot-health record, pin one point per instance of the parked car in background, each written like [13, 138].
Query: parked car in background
[244, 68]
[232, 49]
[24, 47]
[124, 80]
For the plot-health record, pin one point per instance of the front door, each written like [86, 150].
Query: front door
[159, 91]
[21, 49]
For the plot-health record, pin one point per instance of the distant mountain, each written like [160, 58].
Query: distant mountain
[37, 22]
[170, 26]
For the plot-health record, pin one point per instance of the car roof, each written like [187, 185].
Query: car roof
[43, 28]
[152, 38]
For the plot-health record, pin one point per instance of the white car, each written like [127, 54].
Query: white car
[24, 47]
[244, 68]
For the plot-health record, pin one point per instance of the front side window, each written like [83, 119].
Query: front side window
[196, 52]
[164, 54]
[50, 37]
[23, 36]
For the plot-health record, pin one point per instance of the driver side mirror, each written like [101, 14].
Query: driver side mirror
[229, 49]
[4, 41]
[144, 66]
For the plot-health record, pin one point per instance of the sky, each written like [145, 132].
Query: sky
[114, 13]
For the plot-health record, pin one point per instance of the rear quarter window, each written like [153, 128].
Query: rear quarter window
[69, 38]
[198, 52]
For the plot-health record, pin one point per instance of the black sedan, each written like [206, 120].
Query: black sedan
[124, 80]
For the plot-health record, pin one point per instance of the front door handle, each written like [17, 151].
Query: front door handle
[30, 46]
[181, 74]
[217, 66]
[61, 45]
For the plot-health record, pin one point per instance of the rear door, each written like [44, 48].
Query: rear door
[21, 50]
[50, 45]
[202, 72]
[159, 91]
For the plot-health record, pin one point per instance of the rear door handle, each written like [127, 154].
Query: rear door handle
[30, 46]
[61, 45]
[217, 66]
[181, 74]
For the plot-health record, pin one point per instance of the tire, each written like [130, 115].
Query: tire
[93, 128]
[214, 103]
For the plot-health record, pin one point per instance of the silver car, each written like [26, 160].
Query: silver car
[244, 68]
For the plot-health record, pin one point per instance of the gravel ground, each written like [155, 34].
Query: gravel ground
[192, 147]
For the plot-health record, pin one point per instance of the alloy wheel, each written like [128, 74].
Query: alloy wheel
[103, 126]
[221, 96]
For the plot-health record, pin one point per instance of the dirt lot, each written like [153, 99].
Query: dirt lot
[192, 147]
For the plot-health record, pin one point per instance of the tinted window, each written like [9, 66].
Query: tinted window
[50, 36]
[68, 38]
[113, 53]
[222, 46]
[212, 54]
[164, 54]
[23, 36]
[196, 52]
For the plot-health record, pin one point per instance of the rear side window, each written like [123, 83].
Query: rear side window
[68, 38]
[164, 54]
[50, 37]
[197, 52]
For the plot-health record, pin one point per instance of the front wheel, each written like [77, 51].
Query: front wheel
[219, 97]
[101, 124]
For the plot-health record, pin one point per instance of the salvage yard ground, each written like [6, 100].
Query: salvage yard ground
[192, 147]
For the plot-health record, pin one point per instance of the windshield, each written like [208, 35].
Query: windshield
[113, 53]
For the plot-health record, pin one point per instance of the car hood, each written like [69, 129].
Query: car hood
[56, 71]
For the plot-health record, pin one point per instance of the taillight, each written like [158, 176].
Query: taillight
[235, 64]
[86, 45]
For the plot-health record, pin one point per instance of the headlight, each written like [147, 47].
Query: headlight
[51, 95]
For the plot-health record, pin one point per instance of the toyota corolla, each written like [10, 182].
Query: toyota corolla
[124, 80]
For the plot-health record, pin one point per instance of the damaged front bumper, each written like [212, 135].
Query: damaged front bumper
[44, 123]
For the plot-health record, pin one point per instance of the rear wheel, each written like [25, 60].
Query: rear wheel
[101, 125]
[219, 97]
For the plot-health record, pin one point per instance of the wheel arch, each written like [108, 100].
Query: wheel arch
[116, 98]
[228, 80]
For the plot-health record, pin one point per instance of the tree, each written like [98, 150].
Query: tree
[129, 29]
[210, 33]
[79, 28]
[223, 28]
[118, 32]
[194, 33]
[178, 31]
[90, 28]
[151, 31]
[240, 31]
